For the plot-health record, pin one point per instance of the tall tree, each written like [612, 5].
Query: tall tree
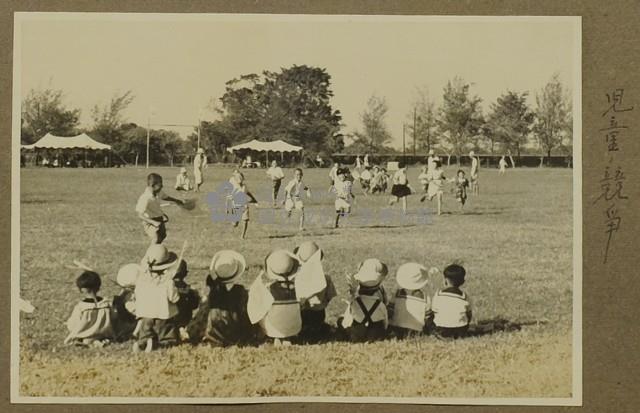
[108, 119]
[374, 134]
[293, 104]
[510, 120]
[424, 114]
[553, 118]
[43, 111]
[460, 116]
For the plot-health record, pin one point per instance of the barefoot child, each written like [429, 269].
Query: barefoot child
[150, 212]
[400, 189]
[411, 306]
[461, 184]
[90, 322]
[366, 317]
[436, 182]
[293, 196]
[314, 326]
[156, 298]
[344, 195]
[222, 318]
[450, 305]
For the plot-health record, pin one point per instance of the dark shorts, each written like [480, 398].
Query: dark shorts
[163, 332]
[400, 191]
[276, 185]
[451, 332]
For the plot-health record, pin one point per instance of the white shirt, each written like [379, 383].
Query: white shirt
[450, 309]
[400, 178]
[149, 204]
[431, 163]
[199, 161]
[295, 188]
[474, 165]
[155, 297]
[343, 189]
[366, 175]
[275, 173]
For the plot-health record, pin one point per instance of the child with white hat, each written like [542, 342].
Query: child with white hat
[124, 304]
[315, 289]
[222, 318]
[451, 306]
[156, 298]
[411, 306]
[366, 317]
[276, 306]
[183, 183]
[90, 321]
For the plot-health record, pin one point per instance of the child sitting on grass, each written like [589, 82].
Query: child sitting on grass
[450, 305]
[222, 318]
[156, 298]
[183, 183]
[124, 304]
[90, 322]
[188, 300]
[276, 306]
[411, 307]
[314, 326]
[366, 318]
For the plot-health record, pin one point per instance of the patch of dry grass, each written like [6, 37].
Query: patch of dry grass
[515, 241]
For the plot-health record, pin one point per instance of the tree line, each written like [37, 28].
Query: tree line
[459, 125]
[294, 104]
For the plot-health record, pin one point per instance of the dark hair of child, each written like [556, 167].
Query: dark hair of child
[298, 170]
[460, 170]
[455, 274]
[89, 280]
[438, 164]
[153, 178]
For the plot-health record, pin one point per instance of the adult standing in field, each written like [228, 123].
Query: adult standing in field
[503, 166]
[199, 164]
[474, 175]
[276, 175]
[358, 162]
[366, 160]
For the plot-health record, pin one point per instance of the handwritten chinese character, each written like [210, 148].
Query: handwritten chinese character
[615, 99]
[613, 225]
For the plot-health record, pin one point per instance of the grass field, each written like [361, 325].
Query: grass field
[515, 240]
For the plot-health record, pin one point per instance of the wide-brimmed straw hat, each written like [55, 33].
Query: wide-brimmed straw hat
[158, 258]
[305, 250]
[281, 265]
[371, 272]
[412, 276]
[127, 275]
[227, 265]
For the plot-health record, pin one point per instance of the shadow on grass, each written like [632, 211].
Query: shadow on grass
[497, 325]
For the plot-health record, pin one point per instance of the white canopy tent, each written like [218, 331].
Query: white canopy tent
[82, 141]
[273, 146]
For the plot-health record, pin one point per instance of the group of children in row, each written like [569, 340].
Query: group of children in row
[286, 302]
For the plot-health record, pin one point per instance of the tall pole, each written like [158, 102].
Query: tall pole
[199, 123]
[414, 131]
[403, 147]
[148, 132]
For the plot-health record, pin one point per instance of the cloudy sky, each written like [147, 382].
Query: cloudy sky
[176, 64]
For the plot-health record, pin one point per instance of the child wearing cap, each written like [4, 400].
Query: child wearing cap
[222, 318]
[124, 304]
[156, 298]
[344, 195]
[293, 196]
[149, 210]
[279, 313]
[411, 306]
[313, 308]
[366, 317]
[90, 321]
[183, 183]
[450, 305]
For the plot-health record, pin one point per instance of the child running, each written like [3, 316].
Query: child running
[400, 189]
[276, 175]
[150, 212]
[344, 195]
[90, 322]
[293, 196]
[461, 184]
[436, 181]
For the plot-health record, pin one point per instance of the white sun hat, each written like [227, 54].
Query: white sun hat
[412, 276]
[127, 275]
[227, 265]
[305, 250]
[281, 265]
[371, 273]
[158, 258]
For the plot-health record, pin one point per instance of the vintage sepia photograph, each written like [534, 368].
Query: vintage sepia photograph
[245, 208]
